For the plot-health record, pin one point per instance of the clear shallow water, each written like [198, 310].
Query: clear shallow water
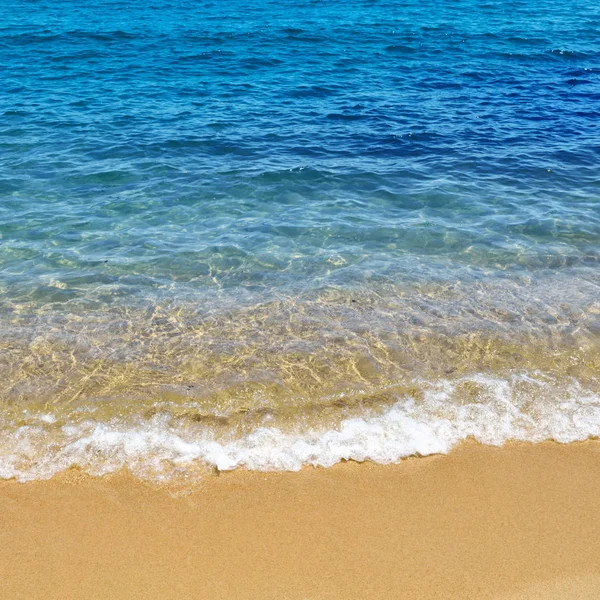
[260, 225]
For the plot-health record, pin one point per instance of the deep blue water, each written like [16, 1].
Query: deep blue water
[262, 143]
[230, 209]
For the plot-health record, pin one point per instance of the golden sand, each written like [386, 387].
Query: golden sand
[517, 523]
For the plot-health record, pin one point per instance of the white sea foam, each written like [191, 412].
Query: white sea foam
[156, 447]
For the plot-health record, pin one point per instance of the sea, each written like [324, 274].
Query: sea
[269, 234]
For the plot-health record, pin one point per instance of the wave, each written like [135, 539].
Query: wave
[159, 448]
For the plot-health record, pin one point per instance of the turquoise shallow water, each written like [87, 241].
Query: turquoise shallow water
[217, 218]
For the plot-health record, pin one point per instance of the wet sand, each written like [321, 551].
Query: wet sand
[518, 522]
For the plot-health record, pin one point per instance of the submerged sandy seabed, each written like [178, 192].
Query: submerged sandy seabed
[518, 522]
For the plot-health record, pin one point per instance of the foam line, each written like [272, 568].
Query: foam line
[156, 448]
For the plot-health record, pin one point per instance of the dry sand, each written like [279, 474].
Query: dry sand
[519, 522]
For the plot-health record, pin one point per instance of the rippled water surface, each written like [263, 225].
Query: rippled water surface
[267, 234]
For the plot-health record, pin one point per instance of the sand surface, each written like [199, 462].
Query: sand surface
[518, 523]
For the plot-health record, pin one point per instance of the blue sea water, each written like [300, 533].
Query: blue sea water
[221, 220]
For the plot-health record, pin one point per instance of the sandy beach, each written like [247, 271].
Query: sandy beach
[299, 300]
[518, 522]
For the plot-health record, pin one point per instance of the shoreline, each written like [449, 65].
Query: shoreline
[515, 522]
